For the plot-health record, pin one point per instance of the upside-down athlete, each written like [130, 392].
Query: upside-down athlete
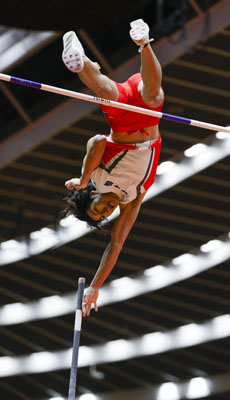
[118, 169]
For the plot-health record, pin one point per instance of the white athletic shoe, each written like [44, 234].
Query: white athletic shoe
[139, 32]
[73, 52]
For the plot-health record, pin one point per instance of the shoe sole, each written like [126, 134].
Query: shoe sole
[73, 52]
[139, 32]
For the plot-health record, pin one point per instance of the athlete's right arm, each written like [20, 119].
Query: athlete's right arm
[120, 231]
[94, 152]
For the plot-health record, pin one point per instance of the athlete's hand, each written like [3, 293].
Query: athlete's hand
[90, 297]
[75, 183]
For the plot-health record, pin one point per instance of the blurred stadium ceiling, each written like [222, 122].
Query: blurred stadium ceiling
[42, 144]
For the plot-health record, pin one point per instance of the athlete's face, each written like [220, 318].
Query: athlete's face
[102, 205]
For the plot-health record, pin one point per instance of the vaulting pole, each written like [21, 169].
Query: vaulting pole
[76, 340]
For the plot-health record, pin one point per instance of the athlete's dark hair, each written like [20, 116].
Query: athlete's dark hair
[78, 202]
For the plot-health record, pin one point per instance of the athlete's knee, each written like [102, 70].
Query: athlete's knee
[108, 88]
[152, 96]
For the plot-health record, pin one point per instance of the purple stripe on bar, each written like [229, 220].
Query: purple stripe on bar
[25, 82]
[176, 119]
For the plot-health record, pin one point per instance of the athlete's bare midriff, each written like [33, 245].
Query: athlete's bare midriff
[151, 133]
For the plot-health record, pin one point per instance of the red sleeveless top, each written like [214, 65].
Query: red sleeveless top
[122, 120]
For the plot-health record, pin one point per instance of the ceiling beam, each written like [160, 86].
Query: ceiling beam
[195, 6]
[150, 344]
[211, 384]
[20, 44]
[15, 103]
[151, 280]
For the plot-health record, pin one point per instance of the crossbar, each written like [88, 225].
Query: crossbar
[111, 103]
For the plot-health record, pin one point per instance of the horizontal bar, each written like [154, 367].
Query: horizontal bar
[106, 102]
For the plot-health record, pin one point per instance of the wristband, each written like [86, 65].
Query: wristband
[144, 45]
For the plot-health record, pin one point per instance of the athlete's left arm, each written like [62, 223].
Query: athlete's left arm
[94, 151]
[120, 231]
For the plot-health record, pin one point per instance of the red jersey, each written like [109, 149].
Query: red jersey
[122, 120]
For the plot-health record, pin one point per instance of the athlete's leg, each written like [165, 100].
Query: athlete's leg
[96, 81]
[89, 72]
[151, 73]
